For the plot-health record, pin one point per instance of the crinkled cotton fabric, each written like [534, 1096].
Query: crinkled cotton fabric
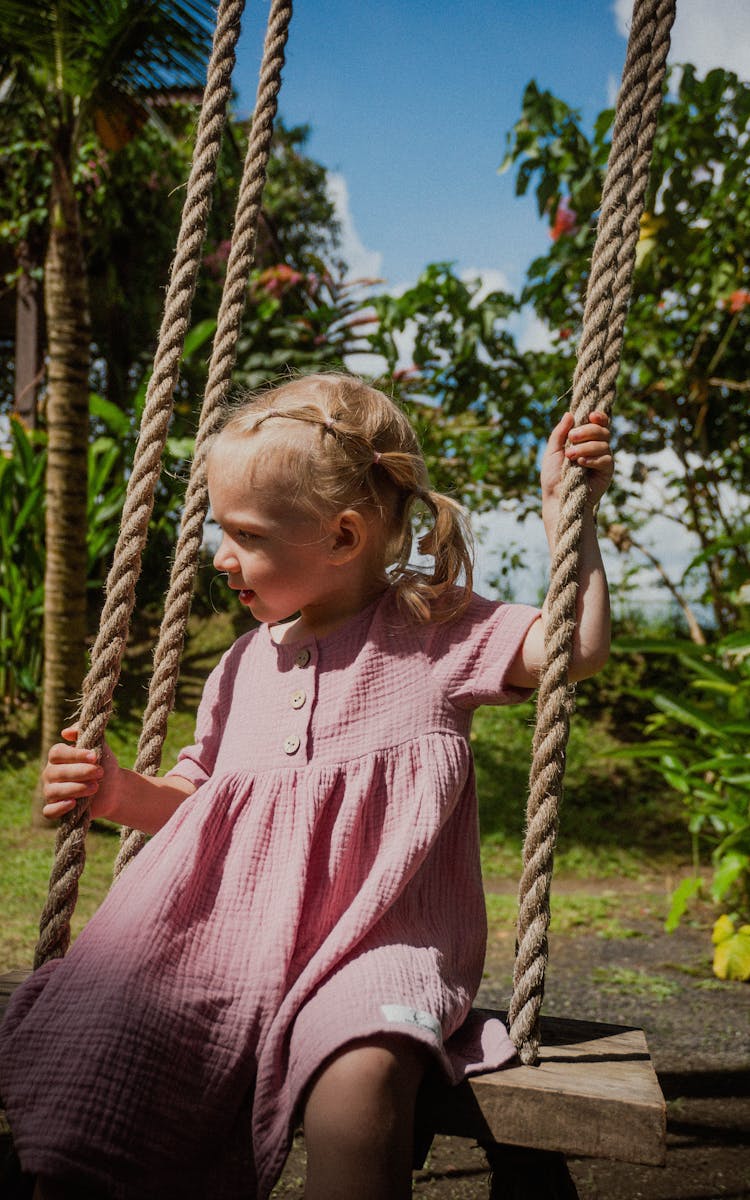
[321, 885]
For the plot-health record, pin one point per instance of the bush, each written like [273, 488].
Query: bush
[696, 738]
[21, 565]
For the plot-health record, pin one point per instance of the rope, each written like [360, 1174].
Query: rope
[106, 656]
[168, 653]
[594, 383]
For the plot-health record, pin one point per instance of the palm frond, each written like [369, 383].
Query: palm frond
[78, 47]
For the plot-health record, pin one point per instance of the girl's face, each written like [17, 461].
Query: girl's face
[275, 557]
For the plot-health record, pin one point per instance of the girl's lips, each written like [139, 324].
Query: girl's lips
[246, 595]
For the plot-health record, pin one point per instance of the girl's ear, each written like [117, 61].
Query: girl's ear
[349, 535]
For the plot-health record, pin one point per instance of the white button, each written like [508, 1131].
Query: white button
[303, 658]
[291, 744]
[298, 699]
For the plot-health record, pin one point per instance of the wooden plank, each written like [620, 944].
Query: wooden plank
[594, 1094]
[8, 984]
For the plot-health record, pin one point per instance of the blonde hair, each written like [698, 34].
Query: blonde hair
[363, 453]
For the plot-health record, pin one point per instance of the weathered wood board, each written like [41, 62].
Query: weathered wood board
[593, 1094]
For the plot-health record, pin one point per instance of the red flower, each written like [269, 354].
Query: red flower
[739, 300]
[277, 280]
[565, 220]
[564, 333]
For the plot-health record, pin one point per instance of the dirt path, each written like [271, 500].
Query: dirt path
[699, 1035]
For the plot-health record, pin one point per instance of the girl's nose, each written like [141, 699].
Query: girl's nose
[224, 559]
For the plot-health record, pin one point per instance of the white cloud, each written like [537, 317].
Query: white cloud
[708, 33]
[491, 280]
[671, 543]
[363, 263]
[530, 331]
[613, 86]
[500, 530]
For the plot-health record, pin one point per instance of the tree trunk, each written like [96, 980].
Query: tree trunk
[66, 310]
[28, 359]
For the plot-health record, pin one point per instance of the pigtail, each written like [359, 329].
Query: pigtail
[436, 597]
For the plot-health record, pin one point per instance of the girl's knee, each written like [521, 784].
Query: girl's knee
[359, 1121]
[367, 1086]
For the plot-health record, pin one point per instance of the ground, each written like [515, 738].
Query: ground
[698, 1031]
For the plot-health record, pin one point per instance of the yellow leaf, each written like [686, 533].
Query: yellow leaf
[650, 225]
[723, 929]
[732, 956]
[643, 249]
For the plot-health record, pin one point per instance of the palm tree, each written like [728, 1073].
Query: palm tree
[75, 67]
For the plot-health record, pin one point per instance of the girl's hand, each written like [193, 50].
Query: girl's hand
[71, 773]
[588, 446]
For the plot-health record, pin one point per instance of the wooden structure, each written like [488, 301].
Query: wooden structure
[593, 1094]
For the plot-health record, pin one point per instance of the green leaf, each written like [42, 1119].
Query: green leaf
[681, 897]
[687, 714]
[626, 645]
[730, 869]
[116, 421]
[180, 447]
[197, 338]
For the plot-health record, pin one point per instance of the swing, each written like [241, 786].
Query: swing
[580, 1089]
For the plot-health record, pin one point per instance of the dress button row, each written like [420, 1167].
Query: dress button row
[302, 658]
[298, 698]
[291, 744]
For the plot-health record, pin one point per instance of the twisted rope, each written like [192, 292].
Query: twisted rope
[168, 653]
[594, 382]
[106, 656]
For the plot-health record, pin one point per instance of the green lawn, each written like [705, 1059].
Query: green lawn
[614, 823]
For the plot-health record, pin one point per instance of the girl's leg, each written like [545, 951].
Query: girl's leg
[359, 1121]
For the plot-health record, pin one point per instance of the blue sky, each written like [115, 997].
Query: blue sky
[409, 103]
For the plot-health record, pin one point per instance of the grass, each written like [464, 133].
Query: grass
[614, 826]
[573, 912]
[635, 983]
[613, 820]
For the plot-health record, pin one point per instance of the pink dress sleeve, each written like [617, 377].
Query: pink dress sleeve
[471, 655]
[197, 762]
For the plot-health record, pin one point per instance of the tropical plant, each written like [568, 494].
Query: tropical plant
[22, 465]
[73, 66]
[467, 388]
[302, 322]
[22, 501]
[697, 742]
[684, 419]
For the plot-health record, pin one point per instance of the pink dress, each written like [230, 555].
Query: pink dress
[321, 885]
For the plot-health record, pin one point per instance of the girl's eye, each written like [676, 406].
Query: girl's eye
[244, 535]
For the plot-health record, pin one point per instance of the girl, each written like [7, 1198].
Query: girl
[306, 931]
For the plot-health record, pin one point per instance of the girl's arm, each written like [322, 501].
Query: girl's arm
[588, 445]
[141, 801]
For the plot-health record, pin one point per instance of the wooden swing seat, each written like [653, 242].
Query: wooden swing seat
[594, 1094]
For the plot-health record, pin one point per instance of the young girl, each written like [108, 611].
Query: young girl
[305, 933]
